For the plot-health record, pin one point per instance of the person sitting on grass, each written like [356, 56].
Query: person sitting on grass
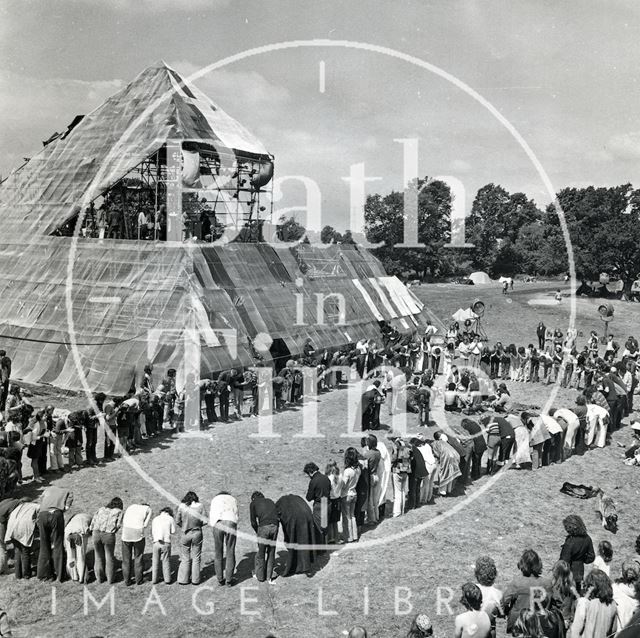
[528, 625]
[604, 557]
[451, 403]
[527, 589]
[563, 591]
[595, 615]
[421, 627]
[486, 572]
[473, 623]
[625, 593]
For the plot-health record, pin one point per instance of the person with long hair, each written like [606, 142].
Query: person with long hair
[632, 628]
[190, 518]
[473, 623]
[563, 590]
[526, 590]
[35, 439]
[528, 625]
[604, 557]
[350, 477]
[372, 454]
[578, 548]
[449, 462]
[625, 590]
[595, 615]
[104, 525]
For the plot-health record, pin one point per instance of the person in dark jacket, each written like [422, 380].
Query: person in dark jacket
[318, 493]
[526, 591]
[578, 548]
[298, 529]
[418, 473]
[479, 446]
[541, 331]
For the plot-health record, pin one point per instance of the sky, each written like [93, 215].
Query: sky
[562, 74]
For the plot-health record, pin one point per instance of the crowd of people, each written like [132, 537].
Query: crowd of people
[349, 497]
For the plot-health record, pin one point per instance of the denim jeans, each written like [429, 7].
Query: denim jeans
[22, 567]
[132, 551]
[161, 558]
[224, 545]
[90, 444]
[266, 554]
[104, 549]
[349, 525]
[51, 556]
[190, 556]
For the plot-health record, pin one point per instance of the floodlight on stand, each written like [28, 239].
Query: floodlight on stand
[478, 307]
[606, 311]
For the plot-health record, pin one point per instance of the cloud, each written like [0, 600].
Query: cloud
[34, 108]
[625, 146]
[459, 166]
[158, 6]
[248, 89]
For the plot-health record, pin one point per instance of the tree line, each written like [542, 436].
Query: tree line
[510, 233]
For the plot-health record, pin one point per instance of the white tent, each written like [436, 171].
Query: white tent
[480, 278]
[461, 315]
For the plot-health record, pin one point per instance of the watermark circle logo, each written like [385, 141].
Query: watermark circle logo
[112, 160]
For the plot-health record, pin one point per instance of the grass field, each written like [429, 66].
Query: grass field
[500, 517]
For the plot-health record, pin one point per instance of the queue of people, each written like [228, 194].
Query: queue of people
[340, 503]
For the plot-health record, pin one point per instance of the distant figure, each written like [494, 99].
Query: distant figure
[541, 332]
[5, 375]
[558, 295]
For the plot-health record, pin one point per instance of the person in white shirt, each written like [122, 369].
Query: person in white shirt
[604, 558]
[162, 528]
[142, 225]
[624, 592]
[135, 520]
[597, 425]
[486, 573]
[557, 438]
[76, 537]
[431, 463]
[223, 518]
[572, 425]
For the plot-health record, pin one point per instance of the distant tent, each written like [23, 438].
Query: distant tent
[462, 315]
[480, 278]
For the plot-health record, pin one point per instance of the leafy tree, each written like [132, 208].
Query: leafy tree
[385, 219]
[289, 230]
[346, 238]
[497, 217]
[329, 235]
[604, 226]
